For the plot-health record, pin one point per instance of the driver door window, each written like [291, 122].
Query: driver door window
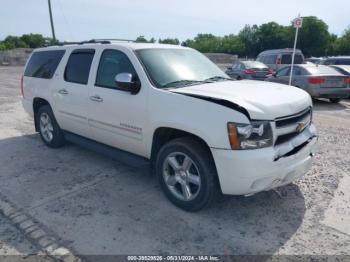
[112, 63]
[283, 72]
[283, 75]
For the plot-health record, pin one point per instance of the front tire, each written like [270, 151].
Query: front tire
[50, 132]
[187, 174]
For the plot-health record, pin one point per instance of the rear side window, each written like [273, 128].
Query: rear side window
[78, 66]
[270, 59]
[283, 72]
[287, 59]
[43, 64]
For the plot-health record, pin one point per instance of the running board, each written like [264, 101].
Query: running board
[111, 152]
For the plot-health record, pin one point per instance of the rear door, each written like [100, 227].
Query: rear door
[299, 75]
[71, 92]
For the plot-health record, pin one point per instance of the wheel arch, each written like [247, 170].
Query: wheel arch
[162, 135]
[37, 103]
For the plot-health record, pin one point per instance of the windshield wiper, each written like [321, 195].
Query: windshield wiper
[182, 83]
[217, 78]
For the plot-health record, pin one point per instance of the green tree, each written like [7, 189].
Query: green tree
[14, 42]
[232, 44]
[205, 43]
[33, 40]
[314, 37]
[342, 44]
[248, 37]
[2, 47]
[142, 39]
[171, 41]
[272, 36]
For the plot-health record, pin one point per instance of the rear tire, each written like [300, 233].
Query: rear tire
[187, 173]
[49, 130]
[334, 100]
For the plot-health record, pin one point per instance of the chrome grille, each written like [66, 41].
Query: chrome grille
[289, 127]
[293, 119]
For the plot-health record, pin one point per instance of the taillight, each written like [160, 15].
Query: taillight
[22, 87]
[278, 61]
[347, 81]
[249, 72]
[316, 80]
[269, 71]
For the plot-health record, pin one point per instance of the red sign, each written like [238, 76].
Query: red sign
[298, 22]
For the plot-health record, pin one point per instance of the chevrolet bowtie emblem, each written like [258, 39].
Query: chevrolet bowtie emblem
[300, 127]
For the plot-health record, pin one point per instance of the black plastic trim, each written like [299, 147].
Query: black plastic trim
[111, 152]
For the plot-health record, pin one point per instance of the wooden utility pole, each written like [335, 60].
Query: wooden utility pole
[51, 20]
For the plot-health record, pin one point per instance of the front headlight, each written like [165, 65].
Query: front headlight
[257, 134]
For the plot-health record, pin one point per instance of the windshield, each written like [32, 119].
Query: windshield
[170, 68]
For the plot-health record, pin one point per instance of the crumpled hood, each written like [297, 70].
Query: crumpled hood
[262, 100]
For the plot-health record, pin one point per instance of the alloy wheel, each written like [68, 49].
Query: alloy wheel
[181, 176]
[46, 127]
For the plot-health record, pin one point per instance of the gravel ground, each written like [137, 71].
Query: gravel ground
[98, 206]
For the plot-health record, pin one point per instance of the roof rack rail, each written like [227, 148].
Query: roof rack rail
[96, 41]
[112, 39]
[68, 43]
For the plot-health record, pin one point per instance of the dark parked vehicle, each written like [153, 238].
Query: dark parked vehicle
[336, 60]
[318, 80]
[344, 69]
[315, 60]
[249, 70]
[278, 58]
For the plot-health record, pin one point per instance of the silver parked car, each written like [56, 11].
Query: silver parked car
[336, 60]
[318, 80]
[344, 69]
[278, 58]
[249, 70]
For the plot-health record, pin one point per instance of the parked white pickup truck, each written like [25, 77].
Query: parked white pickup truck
[203, 132]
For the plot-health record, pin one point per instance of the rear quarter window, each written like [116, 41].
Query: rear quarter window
[43, 64]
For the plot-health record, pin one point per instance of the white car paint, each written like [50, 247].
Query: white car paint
[263, 101]
[129, 122]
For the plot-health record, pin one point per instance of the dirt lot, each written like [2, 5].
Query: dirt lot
[90, 204]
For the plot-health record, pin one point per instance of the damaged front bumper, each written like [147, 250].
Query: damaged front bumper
[247, 172]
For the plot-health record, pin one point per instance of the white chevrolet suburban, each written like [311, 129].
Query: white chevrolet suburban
[203, 133]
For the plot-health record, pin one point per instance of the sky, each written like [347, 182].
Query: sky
[77, 20]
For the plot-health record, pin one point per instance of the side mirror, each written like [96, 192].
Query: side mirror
[125, 81]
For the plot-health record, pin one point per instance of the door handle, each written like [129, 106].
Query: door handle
[96, 98]
[63, 92]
